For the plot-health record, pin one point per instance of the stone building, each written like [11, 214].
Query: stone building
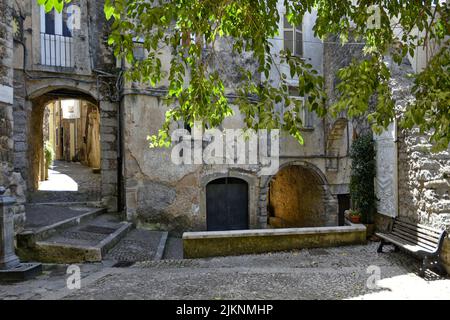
[42, 60]
[310, 188]
[50, 63]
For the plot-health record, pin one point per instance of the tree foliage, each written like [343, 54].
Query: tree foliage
[198, 85]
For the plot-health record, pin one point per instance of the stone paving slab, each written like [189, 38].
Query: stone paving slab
[39, 216]
[80, 236]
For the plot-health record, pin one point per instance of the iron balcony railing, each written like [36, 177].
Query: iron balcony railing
[56, 50]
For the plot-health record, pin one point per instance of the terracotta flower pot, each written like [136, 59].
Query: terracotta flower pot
[355, 219]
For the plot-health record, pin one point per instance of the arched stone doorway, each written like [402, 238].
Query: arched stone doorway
[227, 204]
[67, 123]
[298, 196]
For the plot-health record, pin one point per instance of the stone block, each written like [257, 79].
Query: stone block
[20, 147]
[107, 146]
[108, 106]
[107, 137]
[109, 164]
[109, 155]
[108, 122]
[109, 189]
[109, 176]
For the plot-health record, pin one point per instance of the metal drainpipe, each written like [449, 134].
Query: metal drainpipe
[120, 181]
[120, 203]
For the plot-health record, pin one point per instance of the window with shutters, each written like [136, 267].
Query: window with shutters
[293, 38]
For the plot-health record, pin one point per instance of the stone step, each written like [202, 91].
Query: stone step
[85, 242]
[57, 219]
[69, 196]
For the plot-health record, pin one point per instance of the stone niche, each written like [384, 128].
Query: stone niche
[296, 199]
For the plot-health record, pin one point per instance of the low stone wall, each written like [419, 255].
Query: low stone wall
[227, 243]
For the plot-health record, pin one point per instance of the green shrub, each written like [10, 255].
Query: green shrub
[362, 189]
[49, 154]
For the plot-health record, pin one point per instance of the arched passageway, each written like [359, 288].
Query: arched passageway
[227, 204]
[296, 199]
[64, 148]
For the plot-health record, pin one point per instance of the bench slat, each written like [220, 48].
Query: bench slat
[434, 233]
[416, 241]
[402, 243]
[417, 233]
[424, 229]
[414, 235]
[420, 231]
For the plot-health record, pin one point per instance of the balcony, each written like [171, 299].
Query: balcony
[56, 50]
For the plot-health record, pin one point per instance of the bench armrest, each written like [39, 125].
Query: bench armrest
[441, 240]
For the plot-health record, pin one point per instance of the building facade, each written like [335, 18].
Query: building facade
[45, 59]
[55, 59]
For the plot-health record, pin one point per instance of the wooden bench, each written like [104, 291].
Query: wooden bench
[418, 239]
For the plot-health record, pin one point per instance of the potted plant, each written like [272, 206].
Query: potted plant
[355, 216]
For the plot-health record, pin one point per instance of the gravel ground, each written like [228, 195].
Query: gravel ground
[333, 273]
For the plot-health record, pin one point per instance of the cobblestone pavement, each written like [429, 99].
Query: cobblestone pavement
[332, 273]
[69, 182]
[174, 248]
[138, 245]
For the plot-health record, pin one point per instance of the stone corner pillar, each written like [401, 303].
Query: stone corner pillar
[8, 258]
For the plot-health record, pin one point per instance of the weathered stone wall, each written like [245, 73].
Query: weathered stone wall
[159, 192]
[171, 196]
[423, 175]
[8, 177]
[6, 92]
[336, 56]
[424, 183]
[424, 180]
[109, 151]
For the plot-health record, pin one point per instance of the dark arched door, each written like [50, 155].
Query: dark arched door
[227, 204]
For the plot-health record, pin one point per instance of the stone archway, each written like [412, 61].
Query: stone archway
[28, 113]
[35, 132]
[298, 196]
